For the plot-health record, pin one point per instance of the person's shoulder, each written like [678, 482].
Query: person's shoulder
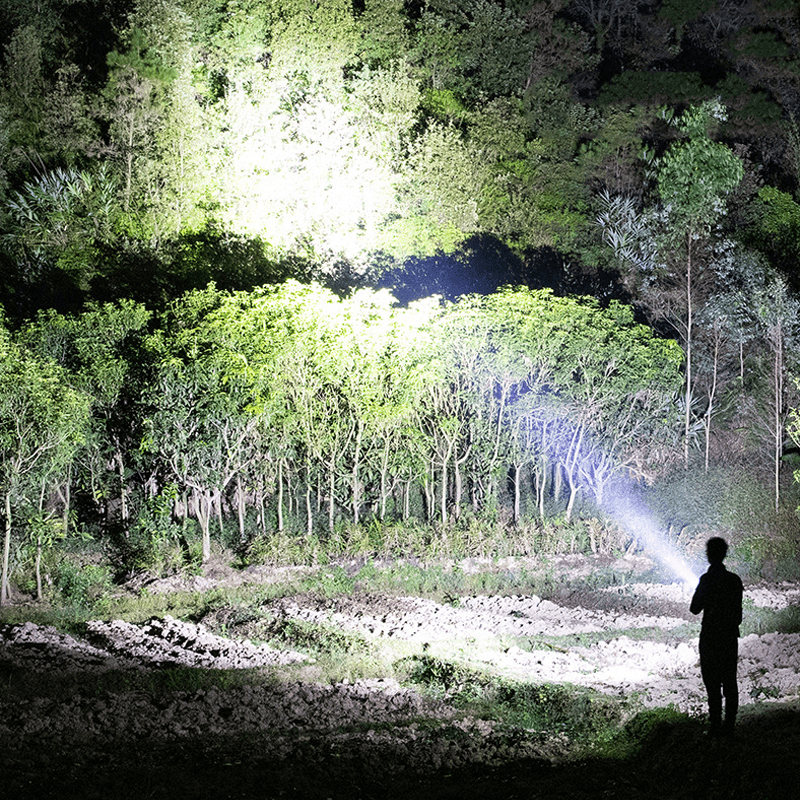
[734, 579]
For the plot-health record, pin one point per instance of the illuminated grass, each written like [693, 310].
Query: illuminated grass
[575, 711]
[767, 620]
[563, 643]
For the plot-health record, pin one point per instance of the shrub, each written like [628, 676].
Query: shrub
[80, 584]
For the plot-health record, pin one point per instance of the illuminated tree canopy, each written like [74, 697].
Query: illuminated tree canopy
[358, 134]
[274, 242]
[290, 406]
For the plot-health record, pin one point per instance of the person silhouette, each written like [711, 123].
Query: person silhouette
[719, 597]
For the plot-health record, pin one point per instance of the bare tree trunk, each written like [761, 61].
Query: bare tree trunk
[541, 489]
[280, 495]
[356, 464]
[6, 550]
[309, 505]
[66, 498]
[443, 495]
[778, 389]
[430, 492]
[689, 333]
[38, 569]
[331, 493]
[384, 482]
[240, 506]
[712, 393]
[203, 513]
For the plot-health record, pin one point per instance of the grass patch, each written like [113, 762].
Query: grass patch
[768, 620]
[641, 732]
[563, 643]
[578, 713]
[315, 638]
[445, 582]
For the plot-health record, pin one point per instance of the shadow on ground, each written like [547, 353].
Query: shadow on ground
[667, 760]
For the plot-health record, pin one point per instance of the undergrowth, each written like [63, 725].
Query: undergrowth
[578, 713]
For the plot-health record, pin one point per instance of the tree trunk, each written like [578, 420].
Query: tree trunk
[384, 482]
[6, 551]
[203, 513]
[240, 507]
[778, 388]
[443, 495]
[38, 569]
[66, 498]
[309, 505]
[689, 333]
[123, 498]
[331, 493]
[356, 464]
[712, 395]
[280, 495]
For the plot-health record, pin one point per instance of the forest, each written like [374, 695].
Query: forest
[300, 278]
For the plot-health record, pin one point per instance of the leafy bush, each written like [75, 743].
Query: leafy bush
[694, 505]
[81, 584]
[772, 550]
[653, 726]
[156, 543]
[571, 710]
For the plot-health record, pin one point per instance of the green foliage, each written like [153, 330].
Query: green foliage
[693, 504]
[313, 638]
[58, 221]
[156, 543]
[773, 552]
[694, 175]
[654, 89]
[580, 714]
[42, 423]
[759, 620]
[243, 141]
[555, 708]
[79, 584]
[640, 734]
[681, 12]
[776, 229]
[316, 39]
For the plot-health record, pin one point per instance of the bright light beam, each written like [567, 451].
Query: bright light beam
[632, 515]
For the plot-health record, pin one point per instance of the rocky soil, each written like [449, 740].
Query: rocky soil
[285, 735]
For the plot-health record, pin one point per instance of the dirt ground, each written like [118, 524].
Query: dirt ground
[377, 738]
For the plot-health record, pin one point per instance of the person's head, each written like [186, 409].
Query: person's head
[716, 550]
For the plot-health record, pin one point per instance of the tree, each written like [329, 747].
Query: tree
[777, 312]
[579, 388]
[56, 223]
[470, 49]
[694, 176]
[42, 422]
[604, 386]
[200, 426]
[101, 347]
[134, 108]
[23, 94]
[670, 254]
[603, 16]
